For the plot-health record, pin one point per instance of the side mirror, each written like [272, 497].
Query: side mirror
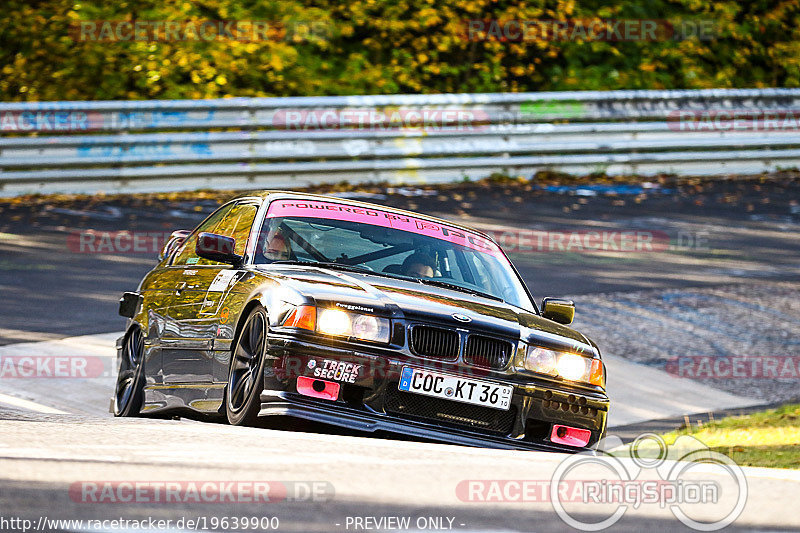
[558, 310]
[172, 244]
[217, 248]
[129, 304]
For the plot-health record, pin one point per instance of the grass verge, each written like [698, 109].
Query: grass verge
[768, 438]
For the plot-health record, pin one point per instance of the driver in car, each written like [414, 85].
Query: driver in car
[419, 265]
[277, 247]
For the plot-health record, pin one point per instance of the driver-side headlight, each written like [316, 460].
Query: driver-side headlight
[363, 327]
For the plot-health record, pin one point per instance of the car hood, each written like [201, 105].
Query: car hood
[425, 303]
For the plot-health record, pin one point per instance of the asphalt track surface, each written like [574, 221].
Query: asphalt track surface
[721, 233]
[52, 464]
[53, 444]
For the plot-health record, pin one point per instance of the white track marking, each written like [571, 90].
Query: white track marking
[29, 405]
[67, 395]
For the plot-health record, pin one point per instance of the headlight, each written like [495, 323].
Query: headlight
[540, 360]
[367, 327]
[334, 322]
[568, 365]
[343, 324]
[572, 367]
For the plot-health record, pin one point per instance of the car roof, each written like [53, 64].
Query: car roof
[267, 193]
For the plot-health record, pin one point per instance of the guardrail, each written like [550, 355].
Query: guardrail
[295, 141]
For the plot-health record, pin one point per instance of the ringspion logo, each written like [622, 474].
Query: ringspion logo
[681, 477]
[677, 466]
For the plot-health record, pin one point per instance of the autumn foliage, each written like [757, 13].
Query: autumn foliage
[328, 47]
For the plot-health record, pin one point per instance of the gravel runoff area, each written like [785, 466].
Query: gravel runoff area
[741, 338]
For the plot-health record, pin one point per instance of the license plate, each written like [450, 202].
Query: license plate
[456, 388]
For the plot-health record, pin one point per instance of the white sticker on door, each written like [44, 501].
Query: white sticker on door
[222, 280]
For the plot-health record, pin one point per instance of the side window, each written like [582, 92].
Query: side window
[186, 255]
[484, 272]
[237, 224]
[451, 268]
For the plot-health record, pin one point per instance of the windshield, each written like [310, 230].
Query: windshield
[354, 238]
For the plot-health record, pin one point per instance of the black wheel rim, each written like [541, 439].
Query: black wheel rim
[246, 363]
[129, 364]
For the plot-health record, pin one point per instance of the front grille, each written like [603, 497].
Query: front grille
[487, 351]
[437, 343]
[448, 412]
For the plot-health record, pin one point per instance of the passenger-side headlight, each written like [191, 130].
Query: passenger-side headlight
[572, 367]
[568, 365]
[363, 327]
[540, 360]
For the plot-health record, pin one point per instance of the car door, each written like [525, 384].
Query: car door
[205, 285]
[182, 344]
[223, 294]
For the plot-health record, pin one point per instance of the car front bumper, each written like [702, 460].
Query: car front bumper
[364, 405]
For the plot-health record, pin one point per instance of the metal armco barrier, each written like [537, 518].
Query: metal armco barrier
[289, 142]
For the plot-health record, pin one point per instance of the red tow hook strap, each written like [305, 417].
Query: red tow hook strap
[570, 436]
[317, 388]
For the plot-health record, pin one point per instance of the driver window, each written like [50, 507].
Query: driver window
[187, 255]
[237, 224]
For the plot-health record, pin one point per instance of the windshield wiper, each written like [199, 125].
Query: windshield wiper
[337, 266]
[364, 270]
[453, 286]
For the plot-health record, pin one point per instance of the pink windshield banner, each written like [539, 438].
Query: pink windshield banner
[375, 217]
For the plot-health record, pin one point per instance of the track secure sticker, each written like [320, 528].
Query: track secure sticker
[335, 370]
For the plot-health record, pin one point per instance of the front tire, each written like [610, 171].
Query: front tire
[129, 391]
[245, 376]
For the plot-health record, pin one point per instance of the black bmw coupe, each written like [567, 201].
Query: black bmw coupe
[357, 315]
